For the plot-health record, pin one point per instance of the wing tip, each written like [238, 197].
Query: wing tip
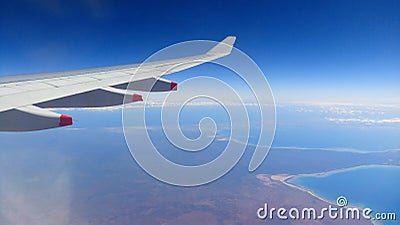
[224, 47]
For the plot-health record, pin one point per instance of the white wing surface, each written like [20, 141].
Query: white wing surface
[24, 99]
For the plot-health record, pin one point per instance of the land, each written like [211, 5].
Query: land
[76, 185]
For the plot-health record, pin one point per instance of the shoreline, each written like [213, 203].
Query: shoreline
[284, 179]
[346, 169]
[340, 150]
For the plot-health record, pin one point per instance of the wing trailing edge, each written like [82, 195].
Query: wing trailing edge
[153, 84]
[102, 97]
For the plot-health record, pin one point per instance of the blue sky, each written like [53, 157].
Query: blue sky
[318, 51]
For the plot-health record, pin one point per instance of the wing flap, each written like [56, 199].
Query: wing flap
[102, 97]
[30, 118]
[150, 85]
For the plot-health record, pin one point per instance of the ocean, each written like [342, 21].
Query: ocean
[375, 187]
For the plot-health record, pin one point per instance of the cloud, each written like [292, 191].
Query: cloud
[334, 105]
[32, 196]
[345, 110]
[366, 121]
[156, 104]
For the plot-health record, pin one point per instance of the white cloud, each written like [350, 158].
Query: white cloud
[353, 110]
[364, 120]
[344, 110]
[339, 104]
[157, 104]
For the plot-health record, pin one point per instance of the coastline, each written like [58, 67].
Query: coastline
[350, 150]
[331, 172]
[285, 179]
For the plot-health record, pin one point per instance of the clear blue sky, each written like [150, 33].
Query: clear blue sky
[309, 50]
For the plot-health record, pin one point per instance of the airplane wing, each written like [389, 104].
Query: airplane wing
[24, 100]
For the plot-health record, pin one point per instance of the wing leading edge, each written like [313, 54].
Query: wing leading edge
[24, 99]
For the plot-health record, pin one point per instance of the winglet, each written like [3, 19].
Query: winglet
[224, 47]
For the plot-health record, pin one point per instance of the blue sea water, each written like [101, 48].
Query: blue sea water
[375, 187]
